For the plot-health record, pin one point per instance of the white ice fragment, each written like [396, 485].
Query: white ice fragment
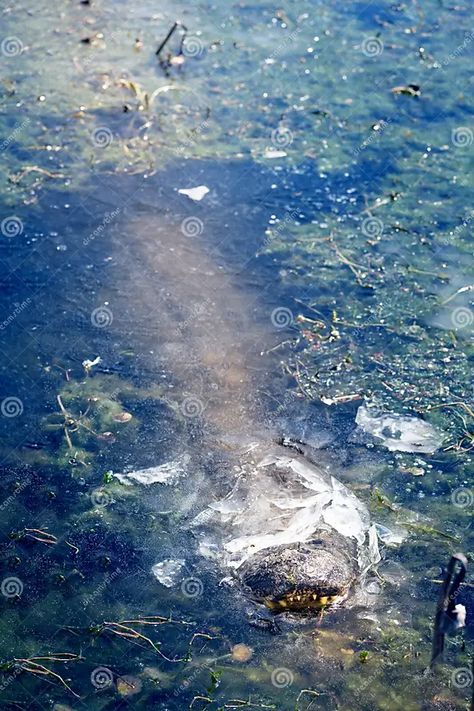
[299, 527]
[374, 552]
[166, 473]
[277, 500]
[345, 519]
[167, 571]
[228, 581]
[227, 506]
[203, 518]
[460, 616]
[291, 507]
[195, 193]
[208, 549]
[88, 364]
[368, 557]
[273, 153]
[308, 474]
[391, 536]
[400, 432]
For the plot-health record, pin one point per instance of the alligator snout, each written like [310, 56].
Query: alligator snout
[302, 576]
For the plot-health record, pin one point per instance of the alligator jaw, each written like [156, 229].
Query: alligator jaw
[303, 600]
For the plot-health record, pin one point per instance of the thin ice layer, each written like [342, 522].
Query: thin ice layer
[167, 571]
[166, 473]
[400, 432]
[282, 500]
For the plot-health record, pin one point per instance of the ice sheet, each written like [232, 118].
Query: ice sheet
[167, 571]
[282, 500]
[167, 473]
[400, 432]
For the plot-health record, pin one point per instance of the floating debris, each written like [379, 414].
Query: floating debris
[241, 653]
[122, 417]
[340, 399]
[413, 471]
[171, 32]
[274, 153]
[408, 90]
[88, 364]
[128, 685]
[195, 194]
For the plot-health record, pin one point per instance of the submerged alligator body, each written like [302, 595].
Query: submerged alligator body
[292, 534]
[295, 537]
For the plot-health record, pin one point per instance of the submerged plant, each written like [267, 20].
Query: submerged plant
[89, 414]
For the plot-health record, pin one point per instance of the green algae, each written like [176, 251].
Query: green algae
[89, 413]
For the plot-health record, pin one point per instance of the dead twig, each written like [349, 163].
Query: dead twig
[124, 630]
[241, 703]
[306, 691]
[352, 265]
[169, 36]
[32, 666]
[37, 535]
[34, 169]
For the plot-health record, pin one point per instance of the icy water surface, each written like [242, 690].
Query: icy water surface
[316, 283]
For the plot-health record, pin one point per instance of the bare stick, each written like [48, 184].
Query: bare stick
[33, 667]
[167, 39]
[446, 600]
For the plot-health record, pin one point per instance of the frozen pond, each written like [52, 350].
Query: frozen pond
[236, 313]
